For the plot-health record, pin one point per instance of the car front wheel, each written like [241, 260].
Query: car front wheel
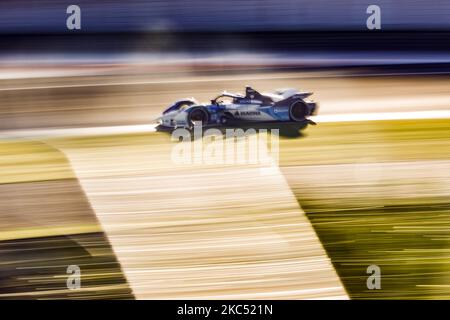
[198, 116]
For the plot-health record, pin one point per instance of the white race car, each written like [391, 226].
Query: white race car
[283, 105]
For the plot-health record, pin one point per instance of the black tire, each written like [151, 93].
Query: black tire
[197, 115]
[298, 111]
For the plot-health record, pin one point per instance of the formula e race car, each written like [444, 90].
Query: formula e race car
[283, 105]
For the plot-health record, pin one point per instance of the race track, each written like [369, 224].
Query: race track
[188, 231]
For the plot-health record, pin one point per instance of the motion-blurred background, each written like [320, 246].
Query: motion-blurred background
[84, 175]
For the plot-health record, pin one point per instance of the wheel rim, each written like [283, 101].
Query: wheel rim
[298, 111]
[198, 117]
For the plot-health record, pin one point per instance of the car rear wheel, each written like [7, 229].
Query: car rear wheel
[298, 111]
[198, 116]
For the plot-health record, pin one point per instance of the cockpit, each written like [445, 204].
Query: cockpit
[225, 99]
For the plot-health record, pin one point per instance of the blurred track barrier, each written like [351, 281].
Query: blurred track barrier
[200, 231]
[349, 117]
[131, 99]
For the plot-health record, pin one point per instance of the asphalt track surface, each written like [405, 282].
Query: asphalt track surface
[228, 232]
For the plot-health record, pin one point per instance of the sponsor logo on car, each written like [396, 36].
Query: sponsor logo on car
[250, 113]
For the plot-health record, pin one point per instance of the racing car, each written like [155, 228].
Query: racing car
[283, 105]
